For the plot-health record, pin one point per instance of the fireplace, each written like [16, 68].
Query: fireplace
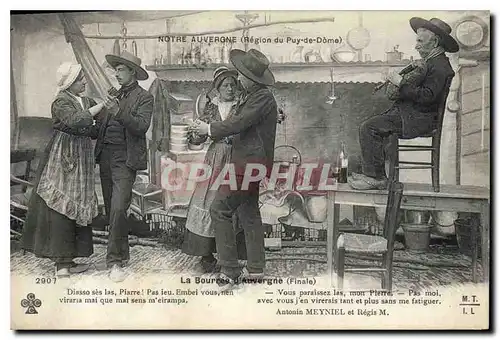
[313, 126]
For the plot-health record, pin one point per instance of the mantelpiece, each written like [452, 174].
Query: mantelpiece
[370, 72]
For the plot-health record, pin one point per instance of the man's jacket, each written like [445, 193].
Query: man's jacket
[136, 108]
[419, 97]
[254, 128]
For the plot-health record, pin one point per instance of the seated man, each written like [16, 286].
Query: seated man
[417, 96]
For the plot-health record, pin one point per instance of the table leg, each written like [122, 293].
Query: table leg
[475, 229]
[330, 216]
[336, 220]
[485, 241]
[336, 225]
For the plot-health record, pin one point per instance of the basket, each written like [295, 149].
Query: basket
[169, 230]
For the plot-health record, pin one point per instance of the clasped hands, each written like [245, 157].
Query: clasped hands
[111, 104]
[199, 127]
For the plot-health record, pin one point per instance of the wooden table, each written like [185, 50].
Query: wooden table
[417, 196]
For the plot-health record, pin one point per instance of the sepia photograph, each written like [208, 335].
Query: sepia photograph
[250, 169]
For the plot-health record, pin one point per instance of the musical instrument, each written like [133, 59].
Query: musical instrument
[406, 70]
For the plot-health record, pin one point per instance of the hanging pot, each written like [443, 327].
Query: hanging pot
[134, 48]
[316, 207]
[116, 47]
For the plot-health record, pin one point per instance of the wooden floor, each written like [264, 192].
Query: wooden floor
[441, 266]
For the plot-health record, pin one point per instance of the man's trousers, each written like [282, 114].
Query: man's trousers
[117, 180]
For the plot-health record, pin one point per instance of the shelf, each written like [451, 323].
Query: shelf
[274, 66]
[357, 72]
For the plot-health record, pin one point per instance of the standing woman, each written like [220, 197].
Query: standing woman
[199, 239]
[63, 202]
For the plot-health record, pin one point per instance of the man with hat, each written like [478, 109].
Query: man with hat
[254, 129]
[417, 98]
[121, 151]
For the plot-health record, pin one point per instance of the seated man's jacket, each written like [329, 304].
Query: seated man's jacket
[418, 98]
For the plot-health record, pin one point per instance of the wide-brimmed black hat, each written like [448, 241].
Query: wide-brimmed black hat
[438, 27]
[130, 60]
[252, 64]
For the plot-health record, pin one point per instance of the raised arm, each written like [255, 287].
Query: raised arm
[256, 108]
[69, 115]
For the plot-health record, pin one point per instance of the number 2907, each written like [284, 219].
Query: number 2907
[45, 280]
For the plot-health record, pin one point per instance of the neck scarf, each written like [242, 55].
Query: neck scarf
[224, 107]
[78, 98]
[435, 52]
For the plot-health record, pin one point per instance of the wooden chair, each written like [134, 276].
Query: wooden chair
[19, 156]
[378, 247]
[434, 147]
[19, 200]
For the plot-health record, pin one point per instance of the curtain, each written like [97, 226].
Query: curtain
[96, 78]
[14, 117]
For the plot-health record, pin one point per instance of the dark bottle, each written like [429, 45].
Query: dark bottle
[342, 163]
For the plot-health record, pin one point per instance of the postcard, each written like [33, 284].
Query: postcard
[250, 170]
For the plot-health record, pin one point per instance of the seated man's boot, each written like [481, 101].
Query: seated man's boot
[363, 182]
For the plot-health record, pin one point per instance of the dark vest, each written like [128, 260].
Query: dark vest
[115, 133]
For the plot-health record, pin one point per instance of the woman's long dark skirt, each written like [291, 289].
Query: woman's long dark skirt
[50, 234]
[196, 244]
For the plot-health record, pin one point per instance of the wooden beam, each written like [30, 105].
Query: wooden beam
[215, 32]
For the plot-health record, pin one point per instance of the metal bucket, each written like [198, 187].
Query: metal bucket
[417, 236]
[463, 227]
